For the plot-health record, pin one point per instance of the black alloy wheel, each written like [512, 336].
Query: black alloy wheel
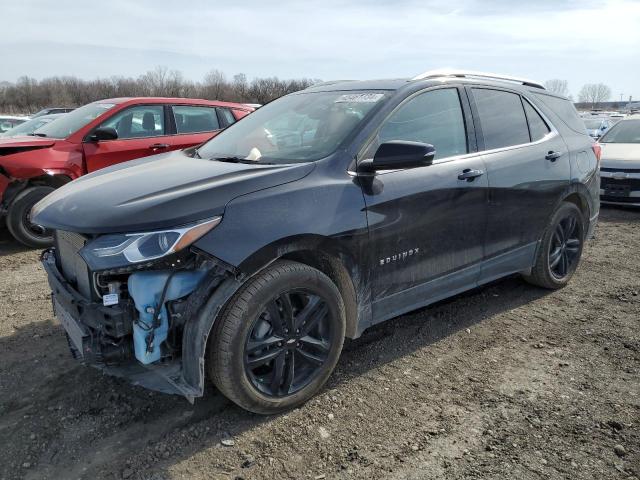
[564, 247]
[278, 339]
[288, 344]
[560, 248]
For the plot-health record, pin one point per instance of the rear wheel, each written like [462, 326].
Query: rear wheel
[279, 338]
[19, 218]
[560, 250]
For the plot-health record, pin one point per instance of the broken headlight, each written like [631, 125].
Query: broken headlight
[118, 250]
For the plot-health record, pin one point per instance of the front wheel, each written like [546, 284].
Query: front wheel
[279, 338]
[19, 218]
[560, 250]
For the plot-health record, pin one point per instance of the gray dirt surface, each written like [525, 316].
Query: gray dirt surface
[508, 381]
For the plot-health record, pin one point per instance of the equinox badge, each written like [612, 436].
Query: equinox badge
[399, 256]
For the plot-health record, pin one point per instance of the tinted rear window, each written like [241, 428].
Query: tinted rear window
[501, 117]
[537, 126]
[564, 109]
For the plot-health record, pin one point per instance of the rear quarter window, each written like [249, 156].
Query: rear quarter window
[502, 118]
[564, 109]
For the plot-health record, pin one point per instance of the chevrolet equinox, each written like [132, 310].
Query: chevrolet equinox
[249, 259]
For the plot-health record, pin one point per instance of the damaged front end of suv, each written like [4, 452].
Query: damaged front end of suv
[124, 298]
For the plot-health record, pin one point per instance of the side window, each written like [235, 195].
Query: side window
[138, 122]
[193, 119]
[564, 109]
[433, 117]
[501, 118]
[537, 126]
[226, 117]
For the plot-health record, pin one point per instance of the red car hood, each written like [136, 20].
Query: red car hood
[26, 141]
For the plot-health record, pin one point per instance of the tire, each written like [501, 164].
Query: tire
[257, 315]
[556, 248]
[18, 218]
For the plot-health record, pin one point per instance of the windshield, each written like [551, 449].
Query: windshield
[73, 121]
[301, 127]
[627, 131]
[593, 124]
[27, 128]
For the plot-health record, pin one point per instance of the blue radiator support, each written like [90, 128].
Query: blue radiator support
[146, 289]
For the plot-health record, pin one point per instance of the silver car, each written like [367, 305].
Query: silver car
[620, 163]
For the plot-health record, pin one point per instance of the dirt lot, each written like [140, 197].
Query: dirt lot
[508, 381]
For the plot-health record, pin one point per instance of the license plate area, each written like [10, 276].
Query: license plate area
[74, 329]
[612, 190]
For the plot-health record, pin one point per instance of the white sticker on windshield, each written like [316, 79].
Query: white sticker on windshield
[359, 98]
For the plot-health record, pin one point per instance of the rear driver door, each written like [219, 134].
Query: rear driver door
[528, 170]
[195, 124]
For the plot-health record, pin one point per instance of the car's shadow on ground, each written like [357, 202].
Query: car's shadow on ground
[61, 381]
[8, 245]
[615, 213]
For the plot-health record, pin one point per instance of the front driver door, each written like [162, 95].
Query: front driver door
[426, 225]
[141, 132]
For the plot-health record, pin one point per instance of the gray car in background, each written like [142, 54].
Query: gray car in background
[30, 126]
[620, 164]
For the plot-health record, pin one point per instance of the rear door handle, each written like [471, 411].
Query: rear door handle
[553, 156]
[157, 146]
[469, 174]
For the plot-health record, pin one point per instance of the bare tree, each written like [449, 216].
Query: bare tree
[594, 93]
[555, 85]
[240, 87]
[214, 85]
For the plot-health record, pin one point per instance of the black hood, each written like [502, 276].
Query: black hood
[156, 192]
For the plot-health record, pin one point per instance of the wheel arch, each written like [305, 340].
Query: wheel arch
[225, 280]
[54, 180]
[580, 199]
[324, 254]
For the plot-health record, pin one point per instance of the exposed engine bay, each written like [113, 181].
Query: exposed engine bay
[130, 321]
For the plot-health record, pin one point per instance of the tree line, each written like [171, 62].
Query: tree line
[27, 95]
[592, 93]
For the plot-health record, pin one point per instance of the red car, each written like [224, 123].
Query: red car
[95, 136]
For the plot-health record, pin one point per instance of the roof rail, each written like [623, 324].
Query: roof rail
[444, 72]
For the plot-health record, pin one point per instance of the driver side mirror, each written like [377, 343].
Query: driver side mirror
[399, 154]
[104, 133]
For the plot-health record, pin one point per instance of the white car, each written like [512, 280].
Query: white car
[8, 122]
[620, 163]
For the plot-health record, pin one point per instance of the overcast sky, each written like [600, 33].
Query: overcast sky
[581, 41]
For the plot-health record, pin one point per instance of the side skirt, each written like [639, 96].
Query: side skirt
[505, 264]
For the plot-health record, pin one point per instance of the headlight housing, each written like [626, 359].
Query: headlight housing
[122, 249]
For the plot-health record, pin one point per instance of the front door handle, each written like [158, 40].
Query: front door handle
[157, 146]
[553, 156]
[469, 174]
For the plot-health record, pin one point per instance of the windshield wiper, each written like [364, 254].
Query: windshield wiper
[233, 160]
[39, 134]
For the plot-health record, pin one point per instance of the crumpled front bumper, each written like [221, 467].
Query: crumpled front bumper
[82, 320]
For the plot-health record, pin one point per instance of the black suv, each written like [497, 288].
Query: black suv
[251, 258]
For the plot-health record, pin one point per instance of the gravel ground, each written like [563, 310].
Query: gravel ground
[508, 381]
